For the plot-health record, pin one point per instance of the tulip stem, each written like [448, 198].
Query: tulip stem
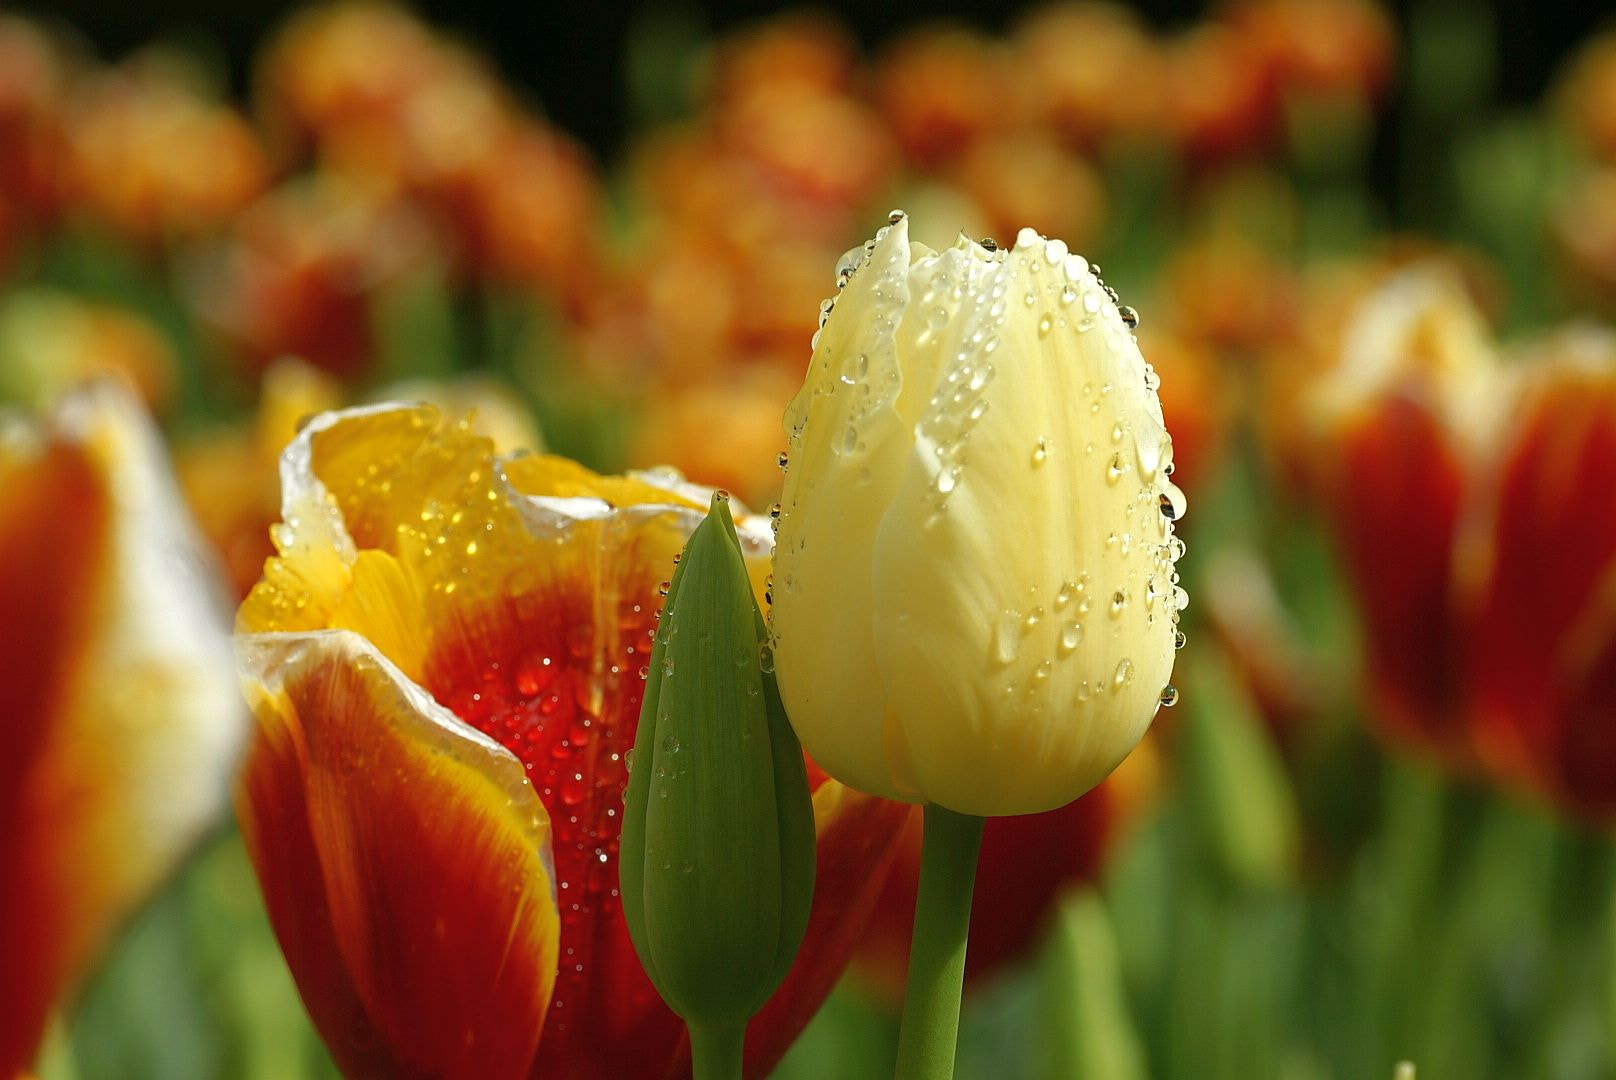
[931, 1001]
[715, 1052]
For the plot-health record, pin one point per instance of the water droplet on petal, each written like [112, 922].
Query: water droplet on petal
[1169, 696]
[1007, 639]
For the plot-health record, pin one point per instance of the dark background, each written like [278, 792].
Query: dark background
[571, 56]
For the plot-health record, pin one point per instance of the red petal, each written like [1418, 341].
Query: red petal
[53, 548]
[404, 863]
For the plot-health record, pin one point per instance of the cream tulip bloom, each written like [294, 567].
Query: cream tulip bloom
[975, 601]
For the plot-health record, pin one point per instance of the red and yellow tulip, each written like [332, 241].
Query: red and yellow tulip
[445, 664]
[118, 718]
[1543, 643]
[1402, 421]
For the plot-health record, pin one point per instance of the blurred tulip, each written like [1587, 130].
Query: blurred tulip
[1027, 178]
[445, 661]
[533, 216]
[678, 424]
[1587, 93]
[339, 69]
[121, 720]
[922, 544]
[790, 131]
[1219, 102]
[805, 50]
[151, 157]
[940, 90]
[1091, 71]
[1543, 644]
[1582, 224]
[1402, 420]
[1322, 48]
[52, 341]
[301, 271]
[33, 89]
[1230, 291]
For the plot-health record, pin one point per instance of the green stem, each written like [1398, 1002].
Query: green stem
[931, 1002]
[715, 1052]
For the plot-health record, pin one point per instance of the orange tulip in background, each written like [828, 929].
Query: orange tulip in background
[121, 720]
[445, 663]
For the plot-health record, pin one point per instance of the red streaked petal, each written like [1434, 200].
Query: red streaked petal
[119, 715]
[1397, 502]
[1542, 640]
[49, 580]
[405, 862]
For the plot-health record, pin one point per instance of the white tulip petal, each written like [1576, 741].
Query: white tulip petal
[1016, 528]
[836, 490]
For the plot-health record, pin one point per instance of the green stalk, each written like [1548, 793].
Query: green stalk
[931, 1002]
[715, 1052]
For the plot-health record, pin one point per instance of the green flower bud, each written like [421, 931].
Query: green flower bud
[717, 856]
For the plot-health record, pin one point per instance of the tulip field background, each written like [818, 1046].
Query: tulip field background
[1368, 259]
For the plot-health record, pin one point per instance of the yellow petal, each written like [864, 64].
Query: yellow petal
[848, 445]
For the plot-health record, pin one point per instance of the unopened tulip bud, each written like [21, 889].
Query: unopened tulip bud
[717, 863]
[975, 598]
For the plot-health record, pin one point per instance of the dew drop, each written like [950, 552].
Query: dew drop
[1045, 325]
[1124, 672]
[1040, 452]
[1071, 637]
[1169, 696]
[670, 745]
[1130, 317]
[1113, 471]
[1172, 503]
[1064, 596]
[1119, 601]
[1007, 639]
[1179, 640]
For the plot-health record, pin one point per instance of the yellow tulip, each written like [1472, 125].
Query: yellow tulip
[975, 602]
